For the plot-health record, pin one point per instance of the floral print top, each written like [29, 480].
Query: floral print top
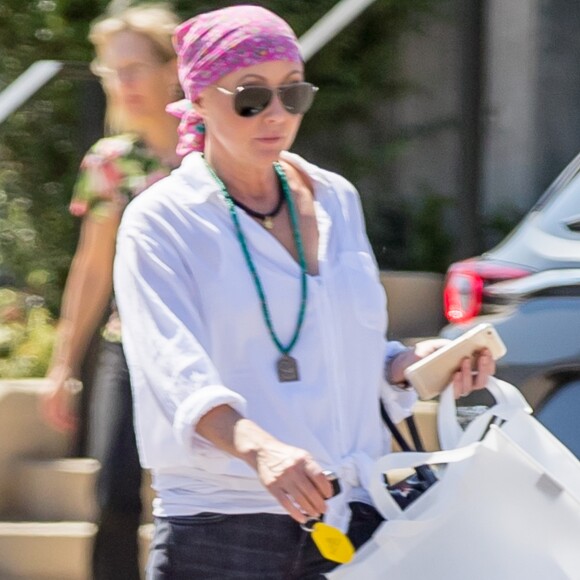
[112, 173]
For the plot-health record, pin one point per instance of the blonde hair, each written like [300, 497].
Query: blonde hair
[156, 22]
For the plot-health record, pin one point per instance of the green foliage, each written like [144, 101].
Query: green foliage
[417, 235]
[430, 241]
[39, 153]
[41, 145]
[27, 334]
[412, 236]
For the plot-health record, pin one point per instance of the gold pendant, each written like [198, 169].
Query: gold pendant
[268, 222]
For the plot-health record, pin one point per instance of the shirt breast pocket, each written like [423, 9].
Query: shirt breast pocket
[367, 294]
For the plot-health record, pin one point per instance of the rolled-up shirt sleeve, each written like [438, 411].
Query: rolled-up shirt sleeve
[399, 402]
[164, 333]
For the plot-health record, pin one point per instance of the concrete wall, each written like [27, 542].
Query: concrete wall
[414, 304]
[530, 102]
[428, 117]
[558, 87]
[512, 57]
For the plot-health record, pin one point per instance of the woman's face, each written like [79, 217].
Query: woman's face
[259, 137]
[139, 83]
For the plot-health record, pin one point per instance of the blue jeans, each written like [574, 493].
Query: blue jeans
[212, 546]
[118, 491]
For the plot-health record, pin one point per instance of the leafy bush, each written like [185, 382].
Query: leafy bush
[27, 335]
[41, 144]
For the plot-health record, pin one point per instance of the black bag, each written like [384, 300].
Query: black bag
[406, 491]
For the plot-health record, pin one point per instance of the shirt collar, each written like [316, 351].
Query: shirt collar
[194, 173]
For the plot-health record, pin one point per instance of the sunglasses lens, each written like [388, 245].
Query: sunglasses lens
[250, 101]
[297, 98]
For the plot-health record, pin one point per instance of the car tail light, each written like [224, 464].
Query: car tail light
[465, 283]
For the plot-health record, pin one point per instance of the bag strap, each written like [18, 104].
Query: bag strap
[411, 425]
[381, 497]
[509, 400]
[417, 441]
[424, 472]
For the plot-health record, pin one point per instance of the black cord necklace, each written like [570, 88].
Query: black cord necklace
[265, 218]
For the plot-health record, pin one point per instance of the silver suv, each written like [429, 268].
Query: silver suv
[528, 287]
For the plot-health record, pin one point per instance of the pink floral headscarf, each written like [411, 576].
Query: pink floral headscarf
[220, 42]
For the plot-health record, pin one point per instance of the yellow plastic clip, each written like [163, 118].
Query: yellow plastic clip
[332, 543]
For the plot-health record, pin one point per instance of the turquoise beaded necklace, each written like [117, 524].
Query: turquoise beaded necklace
[286, 366]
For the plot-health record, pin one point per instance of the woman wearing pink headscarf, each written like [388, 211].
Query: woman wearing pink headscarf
[254, 322]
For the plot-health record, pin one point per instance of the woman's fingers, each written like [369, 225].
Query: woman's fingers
[312, 490]
[485, 368]
[300, 486]
[319, 480]
[466, 380]
[298, 482]
[463, 379]
[307, 498]
[56, 410]
[290, 506]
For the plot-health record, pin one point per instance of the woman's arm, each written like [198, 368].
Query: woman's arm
[86, 296]
[290, 474]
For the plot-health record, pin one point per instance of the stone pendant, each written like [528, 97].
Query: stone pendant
[287, 368]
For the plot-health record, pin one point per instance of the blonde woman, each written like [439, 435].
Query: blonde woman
[136, 62]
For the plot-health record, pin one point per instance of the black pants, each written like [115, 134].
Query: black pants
[111, 440]
[211, 546]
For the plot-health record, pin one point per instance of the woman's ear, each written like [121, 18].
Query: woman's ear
[199, 105]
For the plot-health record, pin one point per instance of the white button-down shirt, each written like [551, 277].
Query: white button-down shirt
[195, 338]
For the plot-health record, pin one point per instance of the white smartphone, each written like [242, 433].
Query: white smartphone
[430, 375]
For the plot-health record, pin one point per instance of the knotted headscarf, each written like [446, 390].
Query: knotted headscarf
[220, 42]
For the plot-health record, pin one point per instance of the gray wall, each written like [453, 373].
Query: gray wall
[428, 118]
[512, 56]
[558, 98]
[529, 106]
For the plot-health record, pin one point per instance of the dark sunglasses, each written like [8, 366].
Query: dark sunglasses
[251, 101]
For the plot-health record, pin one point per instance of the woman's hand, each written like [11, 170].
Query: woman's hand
[57, 405]
[293, 477]
[465, 379]
[289, 473]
